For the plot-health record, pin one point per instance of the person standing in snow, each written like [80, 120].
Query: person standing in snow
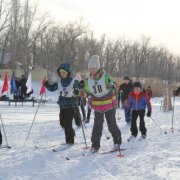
[137, 102]
[149, 92]
[101, 87]
[23, 86]
[177, 92]
[124, 90]
[67, 102]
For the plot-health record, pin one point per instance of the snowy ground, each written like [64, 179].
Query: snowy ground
[156, 158]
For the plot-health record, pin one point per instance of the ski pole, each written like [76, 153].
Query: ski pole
[165, 132]
[84, 135]
[119, 149]
[34, 118]
[4, 132]
[83, 112]
[82, 108]
[172, 128]
[118, 114]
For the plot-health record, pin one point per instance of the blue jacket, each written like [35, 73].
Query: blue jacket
[138, 102]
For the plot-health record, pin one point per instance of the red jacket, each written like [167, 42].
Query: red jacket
[138, 102]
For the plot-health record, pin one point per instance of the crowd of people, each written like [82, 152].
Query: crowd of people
[101, 94]
[20, 91]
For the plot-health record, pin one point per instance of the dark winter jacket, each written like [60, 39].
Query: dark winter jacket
[126, 89]
[138, 102]
[23, 85]
[177, 92]
[149, 93]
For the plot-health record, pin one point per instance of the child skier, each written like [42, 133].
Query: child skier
[100, 86]
[124, 90]
[137, 102]
[67, 102]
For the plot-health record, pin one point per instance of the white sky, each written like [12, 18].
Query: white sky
[158, 19]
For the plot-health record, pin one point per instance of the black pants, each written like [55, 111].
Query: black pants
[77, 117]
[142, 128]
[98, 126]
[66, 118]
[0, 138]
[89, 114]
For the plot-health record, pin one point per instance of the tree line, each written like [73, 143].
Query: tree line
[38, 43]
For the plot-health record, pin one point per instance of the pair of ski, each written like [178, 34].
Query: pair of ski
[89, 153]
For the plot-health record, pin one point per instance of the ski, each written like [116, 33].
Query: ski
[112, 151]
[62, 148]
[85, 154]
[44, 147]
[5, 146]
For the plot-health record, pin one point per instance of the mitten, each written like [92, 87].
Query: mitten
[148, 114]
[128, 112]
[76, 92]
[111, 86]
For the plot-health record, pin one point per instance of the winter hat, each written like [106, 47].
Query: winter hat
[94, 62]
[137, 84]
[66, 67]
[126, 77]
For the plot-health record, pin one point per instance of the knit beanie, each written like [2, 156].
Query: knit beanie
[94, 62]
[137, 84]
[66, 67]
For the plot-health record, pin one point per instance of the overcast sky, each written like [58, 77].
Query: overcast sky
[158, 19]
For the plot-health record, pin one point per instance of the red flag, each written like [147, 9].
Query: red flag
[5, 85]
[43, 89]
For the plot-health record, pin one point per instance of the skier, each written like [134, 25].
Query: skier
[67, 102]
[137, 102]
[124, 89]
[177, 92]
[100, 86]
[77, 116]
[149, 92]
[23, 86]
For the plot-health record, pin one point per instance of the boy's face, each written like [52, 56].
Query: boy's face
[137, 89]
[126, 81]
[63, 74]
[93, 71]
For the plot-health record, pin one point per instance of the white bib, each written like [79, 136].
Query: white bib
[65, 91]
[98, 87]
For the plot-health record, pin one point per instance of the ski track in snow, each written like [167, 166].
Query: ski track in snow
[155, 158]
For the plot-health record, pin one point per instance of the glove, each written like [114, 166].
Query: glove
[76, 92]
[128, 112]
[148, 114]
[111, 86]
[52, 77]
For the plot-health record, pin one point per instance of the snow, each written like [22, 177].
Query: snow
[156, 158]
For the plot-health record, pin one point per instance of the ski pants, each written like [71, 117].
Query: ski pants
[77, 117]
[98, 127]
[66, 118]
[142, 128]
[127, 117]
[89, 114]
